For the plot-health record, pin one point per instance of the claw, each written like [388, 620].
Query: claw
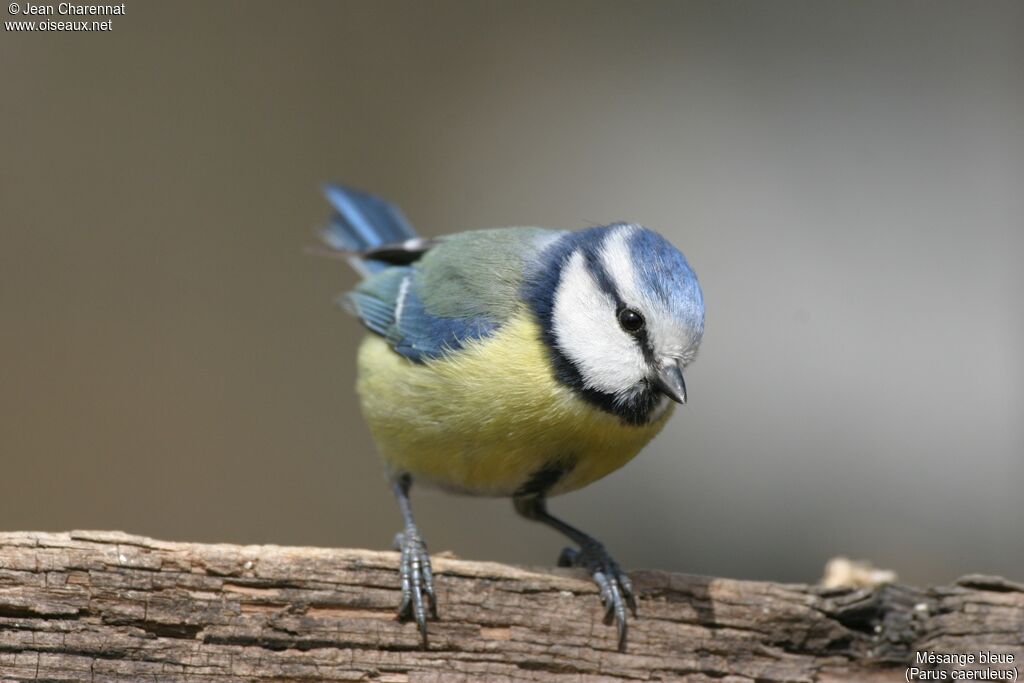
[417, 581]
[569, 558]
[614, 587]
[628, 593]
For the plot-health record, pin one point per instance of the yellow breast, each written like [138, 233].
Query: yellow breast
[487, 417]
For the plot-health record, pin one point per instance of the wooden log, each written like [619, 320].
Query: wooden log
[107, 606]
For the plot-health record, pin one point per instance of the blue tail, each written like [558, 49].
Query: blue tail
[363, 222]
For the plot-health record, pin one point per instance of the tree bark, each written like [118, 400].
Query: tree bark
[106, 606]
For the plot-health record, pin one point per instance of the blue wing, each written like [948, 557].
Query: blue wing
[463, 289]
[390, 305]
[427, 298]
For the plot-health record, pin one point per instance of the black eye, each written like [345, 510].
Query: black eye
[630, 320]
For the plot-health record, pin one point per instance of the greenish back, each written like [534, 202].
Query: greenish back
[478, 273]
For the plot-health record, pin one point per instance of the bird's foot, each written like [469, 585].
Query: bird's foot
[615, 587]
[418, 599]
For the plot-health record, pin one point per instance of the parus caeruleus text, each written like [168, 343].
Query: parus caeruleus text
[518, 362]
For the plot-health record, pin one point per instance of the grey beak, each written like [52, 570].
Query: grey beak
[669, 381]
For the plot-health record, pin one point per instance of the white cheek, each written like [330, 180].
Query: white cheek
[587, 333]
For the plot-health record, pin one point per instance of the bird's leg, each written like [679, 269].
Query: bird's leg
[615, 587]
[417, 579]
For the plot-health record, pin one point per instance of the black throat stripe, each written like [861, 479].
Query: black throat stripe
[544, 479]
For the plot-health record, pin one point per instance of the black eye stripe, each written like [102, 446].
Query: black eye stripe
[604, 282]
[603, 279]
[639, 334]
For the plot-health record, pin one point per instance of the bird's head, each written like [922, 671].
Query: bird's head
[623, 314]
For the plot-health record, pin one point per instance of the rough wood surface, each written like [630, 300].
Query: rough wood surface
[105, 606]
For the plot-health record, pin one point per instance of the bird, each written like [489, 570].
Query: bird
[517, 362]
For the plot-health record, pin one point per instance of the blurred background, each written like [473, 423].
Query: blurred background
[847, 179]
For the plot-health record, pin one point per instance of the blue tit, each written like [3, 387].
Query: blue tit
[516, 362]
